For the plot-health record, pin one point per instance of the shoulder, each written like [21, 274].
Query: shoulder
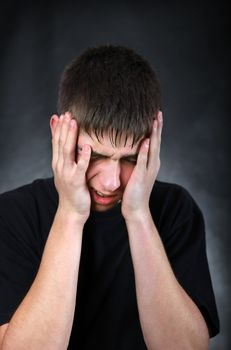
[170, 191]
[38, 189]
[173, 205]
[172, 195]
[28, 204]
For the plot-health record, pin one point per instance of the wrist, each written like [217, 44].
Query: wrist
[138, 216]
[69, 217]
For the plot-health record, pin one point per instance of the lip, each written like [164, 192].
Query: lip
[102, 200]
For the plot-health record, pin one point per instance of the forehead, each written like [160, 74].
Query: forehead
[105, 146]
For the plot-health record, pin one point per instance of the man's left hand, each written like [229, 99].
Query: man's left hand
[135, 202]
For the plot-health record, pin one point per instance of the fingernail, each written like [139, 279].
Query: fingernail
[160, 117]
[73, 123]
[67, 117]
[146, 144]
[155, 125]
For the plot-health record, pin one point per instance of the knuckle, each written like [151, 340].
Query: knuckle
[53, 165]
[66, 149]
[67, 174]
[54, 139]
[61, 140]
[59, 167]
[81, 166]
[143, 158]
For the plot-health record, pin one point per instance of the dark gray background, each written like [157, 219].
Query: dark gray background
[187, 43]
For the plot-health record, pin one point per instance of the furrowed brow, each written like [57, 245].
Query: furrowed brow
[133, 156]
[125, 156]
[93, 153]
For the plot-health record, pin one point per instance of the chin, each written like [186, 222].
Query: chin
[99, 207]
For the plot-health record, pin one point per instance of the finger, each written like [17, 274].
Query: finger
[83, 160]
[155, 140]
[53, 123]
[70, 144]
[160, 124]
[55, 141]
[142, 160]
[63, 134]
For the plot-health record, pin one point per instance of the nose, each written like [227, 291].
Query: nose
[110, 176]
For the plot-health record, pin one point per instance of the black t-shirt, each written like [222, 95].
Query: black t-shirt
[106, 307]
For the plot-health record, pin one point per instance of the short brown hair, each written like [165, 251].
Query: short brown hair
[111, 89]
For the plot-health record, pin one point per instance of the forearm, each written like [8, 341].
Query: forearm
[44, 318]
[169, 318]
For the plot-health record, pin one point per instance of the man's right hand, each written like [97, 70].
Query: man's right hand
[41, 321]
[70, 173]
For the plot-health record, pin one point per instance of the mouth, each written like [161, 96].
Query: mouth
[102, 198]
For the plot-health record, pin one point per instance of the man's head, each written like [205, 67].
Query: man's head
[114, 95]
[111, 90]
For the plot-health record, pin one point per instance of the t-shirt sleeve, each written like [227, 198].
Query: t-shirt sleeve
[19, 257]
[185, 246]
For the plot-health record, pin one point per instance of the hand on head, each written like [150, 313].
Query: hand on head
[69, 175]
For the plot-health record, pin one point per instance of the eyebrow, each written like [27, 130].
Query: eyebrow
[125, 156]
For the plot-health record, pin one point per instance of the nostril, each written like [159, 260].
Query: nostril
[110, 176]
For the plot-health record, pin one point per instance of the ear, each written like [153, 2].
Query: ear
[53, 122]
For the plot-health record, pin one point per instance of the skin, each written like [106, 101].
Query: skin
[114, 172]
[163, 305]
[109, 169]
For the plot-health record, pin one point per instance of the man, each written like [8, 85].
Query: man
[104, 255]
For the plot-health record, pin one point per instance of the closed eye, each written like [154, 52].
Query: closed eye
[128, 159]
[132, 160]
[97, 157]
